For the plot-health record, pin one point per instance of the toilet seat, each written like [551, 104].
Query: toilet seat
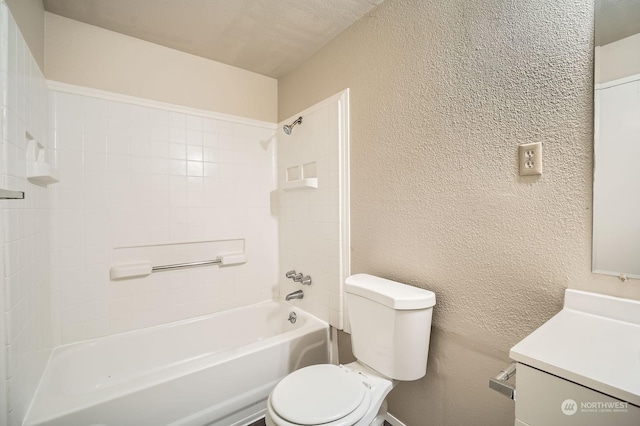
[323, 394]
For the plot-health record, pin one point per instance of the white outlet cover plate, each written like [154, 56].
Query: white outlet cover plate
[530, 159]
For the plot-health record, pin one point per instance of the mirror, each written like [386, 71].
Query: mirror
[616, 188]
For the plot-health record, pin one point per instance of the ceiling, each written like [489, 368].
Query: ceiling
[269, 37]
[616, 19]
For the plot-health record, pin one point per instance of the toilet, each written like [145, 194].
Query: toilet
[390, 331]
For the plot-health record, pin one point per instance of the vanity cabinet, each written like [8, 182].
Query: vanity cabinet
[582, 367]
[543, 399]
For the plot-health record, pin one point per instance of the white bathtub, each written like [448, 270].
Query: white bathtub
[213, 370]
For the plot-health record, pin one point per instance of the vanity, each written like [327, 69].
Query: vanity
[582, 367]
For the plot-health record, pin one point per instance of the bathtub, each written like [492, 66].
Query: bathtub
[212, 370]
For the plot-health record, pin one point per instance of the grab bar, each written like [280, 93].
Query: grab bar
[499, 382]
[186, 265]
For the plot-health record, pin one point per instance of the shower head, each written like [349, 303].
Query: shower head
[288, 127]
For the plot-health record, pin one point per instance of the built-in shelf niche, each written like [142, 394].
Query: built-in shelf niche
[38, 170]
[301, 177]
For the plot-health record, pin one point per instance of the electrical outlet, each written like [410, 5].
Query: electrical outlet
[530, 159]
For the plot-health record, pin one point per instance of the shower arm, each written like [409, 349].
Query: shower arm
[288, 127]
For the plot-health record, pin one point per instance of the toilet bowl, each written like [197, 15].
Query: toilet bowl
[390, 331]
[328, 395]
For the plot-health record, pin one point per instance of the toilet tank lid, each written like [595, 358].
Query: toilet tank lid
[389, 293]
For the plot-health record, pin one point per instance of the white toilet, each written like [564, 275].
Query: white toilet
[390, 330]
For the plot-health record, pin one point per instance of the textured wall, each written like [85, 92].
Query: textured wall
[89, 56]
[442, 92]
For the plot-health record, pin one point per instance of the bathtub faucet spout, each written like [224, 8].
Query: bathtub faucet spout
[298, 294]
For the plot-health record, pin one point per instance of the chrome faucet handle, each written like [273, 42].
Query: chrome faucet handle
[297, 277]
[290, 274]
[306, 280]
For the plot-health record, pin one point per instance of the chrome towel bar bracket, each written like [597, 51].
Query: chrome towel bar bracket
[499, 382]
[6, 194]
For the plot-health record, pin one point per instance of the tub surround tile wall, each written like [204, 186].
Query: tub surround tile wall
[25, 234]
[135, 175]
[313, 223]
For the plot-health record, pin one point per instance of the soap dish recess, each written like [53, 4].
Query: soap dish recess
[301, 177]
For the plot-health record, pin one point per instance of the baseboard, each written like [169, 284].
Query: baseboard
[393, 421]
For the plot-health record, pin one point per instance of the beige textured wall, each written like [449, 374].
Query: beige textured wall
[442, 93]
[86, 55]
[29, 15]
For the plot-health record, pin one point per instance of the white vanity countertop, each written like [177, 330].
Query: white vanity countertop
[594, 341]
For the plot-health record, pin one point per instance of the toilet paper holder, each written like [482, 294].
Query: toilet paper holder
[499, 382]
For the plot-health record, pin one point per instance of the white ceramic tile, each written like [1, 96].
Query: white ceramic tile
[74, 332]
[118, 110]
[94, 107]
[159, 166]
[210, 139]
[140, 114]
[194, 122]
[177, 151]
[152, 176]
[116, 163]
[69, 139]
[309, 228]
[158, 118]
[68, 112]
[117, 143]
[194, 153]
[72, 295]
[120, 324]
[71, 179]
[73, 314]
[195, 168]
[177, 167]
[140, 147]
[177, 135]
[159, 132]
[194, 137]
[225, 128]
[98, 293]
[178, 120]
[26, 237]
[210, 125]
[97, 328]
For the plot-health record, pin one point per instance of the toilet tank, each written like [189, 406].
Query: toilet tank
[390, 325]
